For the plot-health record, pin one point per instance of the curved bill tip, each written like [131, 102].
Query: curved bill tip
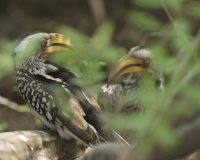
[58, 42]
[125, 65]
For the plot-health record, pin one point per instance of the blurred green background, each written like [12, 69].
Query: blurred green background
[102, 32]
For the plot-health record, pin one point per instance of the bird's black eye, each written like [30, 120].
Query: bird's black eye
[44, 43]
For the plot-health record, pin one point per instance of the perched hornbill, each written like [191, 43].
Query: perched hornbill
[72, 112]
[126, 82]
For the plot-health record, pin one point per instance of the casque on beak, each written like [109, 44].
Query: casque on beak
[57, 42]
[126, 65]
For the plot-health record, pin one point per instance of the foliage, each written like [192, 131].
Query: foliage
[181, 69]
[174, 50]
[90, 55]
[6, 65]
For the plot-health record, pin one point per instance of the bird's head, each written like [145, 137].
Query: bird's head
[33, 47]
[136, 63]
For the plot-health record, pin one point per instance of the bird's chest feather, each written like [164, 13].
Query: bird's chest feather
[32, 92]
[39, 101]
[130, 97]
[141, 97]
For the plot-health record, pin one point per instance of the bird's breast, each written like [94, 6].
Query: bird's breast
[39, 101]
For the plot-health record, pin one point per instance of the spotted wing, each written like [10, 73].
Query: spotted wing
[47, 105]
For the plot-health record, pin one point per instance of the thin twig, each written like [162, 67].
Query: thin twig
[168, 13]
[153, 34]
[98, 10]
[172, 21]
[8, 103]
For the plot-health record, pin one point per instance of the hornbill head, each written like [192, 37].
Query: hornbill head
[133, 66]
[32, 48]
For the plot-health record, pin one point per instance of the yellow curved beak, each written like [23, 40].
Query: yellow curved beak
[57, 42]
[127, 64]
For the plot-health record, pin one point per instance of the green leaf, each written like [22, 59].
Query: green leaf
[193, 9]
[89, 71]
[24, 108]
[161, 58]
[147, 4]
[183, 26]
[173, 6]
[6, 62]
[164, 135]
[124, 122]
[103, 34]
[78, 39]
[144, 21]
[192, 92]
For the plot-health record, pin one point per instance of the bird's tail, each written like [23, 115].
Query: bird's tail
[119, 138]
[109, 135]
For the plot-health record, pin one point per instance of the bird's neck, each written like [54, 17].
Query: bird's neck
[146, 81]
[47, 71]
[31, 65]
[131, 82]
[41, 67]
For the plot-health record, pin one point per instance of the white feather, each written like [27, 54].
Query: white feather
[139, 52]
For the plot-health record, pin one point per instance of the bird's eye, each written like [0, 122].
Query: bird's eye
[44, 43]
[147, 61]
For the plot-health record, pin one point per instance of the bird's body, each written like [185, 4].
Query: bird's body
[118, 98]
[48, 90]
[38, 92]
[129, 81]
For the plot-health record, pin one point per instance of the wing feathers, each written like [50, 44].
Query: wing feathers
[84, 120]
[78, 113]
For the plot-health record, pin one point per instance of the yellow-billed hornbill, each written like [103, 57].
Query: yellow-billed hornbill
[73, 113]
[126, 82]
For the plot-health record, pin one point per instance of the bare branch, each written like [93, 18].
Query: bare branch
[37, 145]
[98, 10]
[111, 151]
[8, 103]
